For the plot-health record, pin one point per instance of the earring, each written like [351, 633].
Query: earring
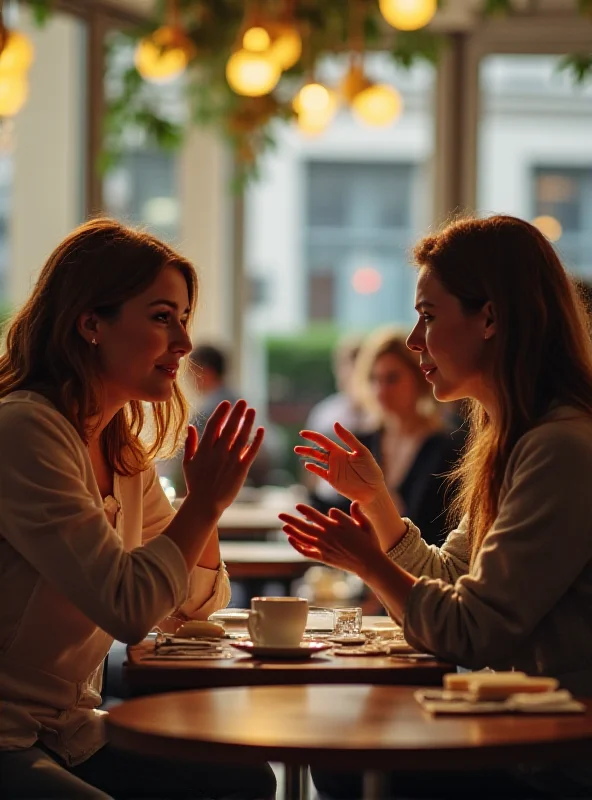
[94, 341]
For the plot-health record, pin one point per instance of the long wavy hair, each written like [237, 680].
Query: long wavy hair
[542, 352]
[98, 267]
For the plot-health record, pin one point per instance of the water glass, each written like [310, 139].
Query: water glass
[347, 621]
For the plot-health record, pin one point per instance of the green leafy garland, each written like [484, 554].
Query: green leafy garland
[213, 26]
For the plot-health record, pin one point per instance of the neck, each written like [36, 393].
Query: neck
[405, 425]
[99, 422]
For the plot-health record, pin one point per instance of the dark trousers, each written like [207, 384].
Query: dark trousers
[111, 773]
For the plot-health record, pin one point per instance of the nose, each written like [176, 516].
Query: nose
[181, 343]
[416, 339]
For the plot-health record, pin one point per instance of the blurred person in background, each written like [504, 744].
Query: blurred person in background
[342, 406]
[209, 365]
[412, 442]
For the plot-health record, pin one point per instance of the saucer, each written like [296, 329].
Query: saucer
[303, 650]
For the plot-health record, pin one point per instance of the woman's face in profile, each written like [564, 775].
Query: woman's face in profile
[394, 385]
[454, 346]
[141, 349]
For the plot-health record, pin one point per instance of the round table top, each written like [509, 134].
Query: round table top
[356, 727]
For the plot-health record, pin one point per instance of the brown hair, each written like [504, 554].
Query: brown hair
[98, 267]
[542, 351]
[388, 340]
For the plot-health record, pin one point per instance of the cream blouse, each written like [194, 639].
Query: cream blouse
[70, 583]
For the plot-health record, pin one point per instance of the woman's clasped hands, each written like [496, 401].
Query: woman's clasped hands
[348, 543]
[216, 465]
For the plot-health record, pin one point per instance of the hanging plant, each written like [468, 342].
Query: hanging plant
[275, 46]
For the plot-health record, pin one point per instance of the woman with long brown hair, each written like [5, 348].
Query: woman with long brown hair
[90, 548]
[500, 323]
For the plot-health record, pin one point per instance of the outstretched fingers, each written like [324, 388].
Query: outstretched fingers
[312, 452]
[215, 423]
[348, 438]
[321, 441]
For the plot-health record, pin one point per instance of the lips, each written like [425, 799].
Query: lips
[168, 369]
[428, 370]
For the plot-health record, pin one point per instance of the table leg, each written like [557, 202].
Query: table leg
[375, 785]
[296, 782]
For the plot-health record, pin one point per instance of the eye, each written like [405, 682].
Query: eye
[162, 316]
[426, 317]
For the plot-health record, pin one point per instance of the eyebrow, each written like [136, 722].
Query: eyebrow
[424, 304]
[169, 303]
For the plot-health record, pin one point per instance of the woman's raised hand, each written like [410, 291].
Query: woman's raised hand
[340, 541]
[216, 466]
[352, 472]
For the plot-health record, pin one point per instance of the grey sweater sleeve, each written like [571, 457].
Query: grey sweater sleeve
[536, 549]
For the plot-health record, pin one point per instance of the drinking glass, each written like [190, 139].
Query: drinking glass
[347, 621]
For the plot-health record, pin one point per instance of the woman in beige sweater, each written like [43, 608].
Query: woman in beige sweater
[499, 323]
[90, 548]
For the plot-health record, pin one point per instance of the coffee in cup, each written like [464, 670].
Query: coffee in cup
[277, 621]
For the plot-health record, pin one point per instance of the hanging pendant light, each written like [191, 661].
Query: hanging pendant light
[379, 105]
[315, 106]
[164, 56]
[14, 90]
[17, 55]
[286, 45]
[407, 15]
[252, 74]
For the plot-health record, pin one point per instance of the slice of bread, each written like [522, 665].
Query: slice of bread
[505, 686]
[199, 628]
[461, 681]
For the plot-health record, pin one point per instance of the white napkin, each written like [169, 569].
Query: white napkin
[446, 701]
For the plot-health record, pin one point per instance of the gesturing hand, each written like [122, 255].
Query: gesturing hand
[348, 543]
[353, 473]
[216, 466]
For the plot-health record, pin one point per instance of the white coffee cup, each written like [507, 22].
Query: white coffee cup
[277, 621]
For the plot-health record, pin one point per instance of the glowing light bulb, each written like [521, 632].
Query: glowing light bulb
[354, 82]
[252, 74]
[407, 15]
[316, 106]
[378, 105]
[309, 126]
[286, 46]
[14, 90]
[256, 39]
[164, 55]
[549, 227]
[17, 55]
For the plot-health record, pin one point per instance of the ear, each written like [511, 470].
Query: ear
[87, 327]
[488, 313]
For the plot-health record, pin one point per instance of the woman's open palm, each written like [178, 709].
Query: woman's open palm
[216, 465]
[352, 472]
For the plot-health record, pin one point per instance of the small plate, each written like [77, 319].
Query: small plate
[303, 650]
[231, 616]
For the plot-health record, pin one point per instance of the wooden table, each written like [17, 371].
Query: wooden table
[249, 521]
[145, 675]
[263, 561]
[376, 728]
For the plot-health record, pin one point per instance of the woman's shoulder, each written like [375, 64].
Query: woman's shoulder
[27, 415]
[564, 432]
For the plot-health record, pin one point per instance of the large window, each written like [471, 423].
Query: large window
[141, 188]
[358, 230]
[562, 199]
[535, 150]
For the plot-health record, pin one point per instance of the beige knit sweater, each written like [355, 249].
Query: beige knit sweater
[70, 583]
[526, 602]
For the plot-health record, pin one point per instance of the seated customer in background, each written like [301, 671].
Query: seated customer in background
[90, 548]
[209, 368]
[413, 445]
[342, 406]
[501, 323]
